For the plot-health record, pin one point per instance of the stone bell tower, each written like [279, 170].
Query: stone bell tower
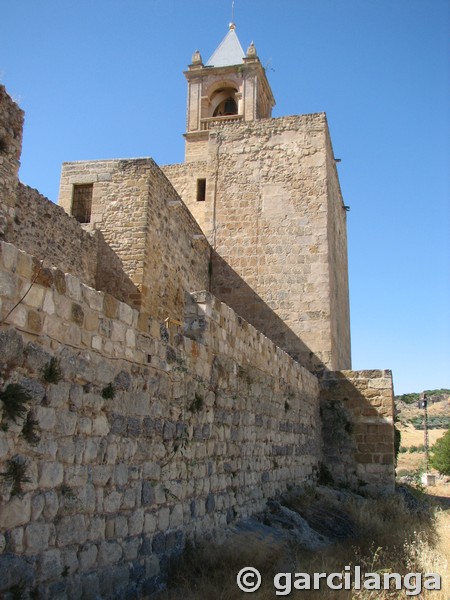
[266, 193]
[231, 87]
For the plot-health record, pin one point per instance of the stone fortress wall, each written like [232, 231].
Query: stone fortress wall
[171, 415]
[144, 222]
[202, 428]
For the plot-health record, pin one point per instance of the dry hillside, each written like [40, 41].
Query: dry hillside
[410, 420]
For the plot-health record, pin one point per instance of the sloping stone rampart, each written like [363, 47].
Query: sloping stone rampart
[44, 230]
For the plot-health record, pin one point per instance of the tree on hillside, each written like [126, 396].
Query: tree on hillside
[440, 454]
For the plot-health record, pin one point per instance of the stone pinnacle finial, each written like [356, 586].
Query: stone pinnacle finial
[197, 58]
[251, 51]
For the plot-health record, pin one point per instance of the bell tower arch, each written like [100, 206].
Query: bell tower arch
[232, 86]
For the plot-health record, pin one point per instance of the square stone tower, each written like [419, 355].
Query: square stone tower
[266, 193]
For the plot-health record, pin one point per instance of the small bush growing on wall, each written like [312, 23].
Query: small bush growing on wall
[108, 392]
[197, 404]
[14, 398]
[15, 474]
[29, 430]
[52, 371]
[68, 492]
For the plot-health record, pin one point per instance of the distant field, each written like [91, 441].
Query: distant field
[411, 461]
[414, 437]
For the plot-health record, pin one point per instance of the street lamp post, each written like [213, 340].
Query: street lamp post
[427, 478]
[423, 403]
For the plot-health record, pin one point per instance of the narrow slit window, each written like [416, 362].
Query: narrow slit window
[82, 202]
[201, 190]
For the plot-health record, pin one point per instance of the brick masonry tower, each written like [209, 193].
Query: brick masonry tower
[266, 193]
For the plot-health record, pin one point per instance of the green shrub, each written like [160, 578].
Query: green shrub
[404, 472]
[440, 454]
[419, 448]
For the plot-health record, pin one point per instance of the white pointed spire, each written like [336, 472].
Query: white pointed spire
[229, 52]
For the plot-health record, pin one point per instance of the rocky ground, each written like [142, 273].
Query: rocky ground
[321, 529]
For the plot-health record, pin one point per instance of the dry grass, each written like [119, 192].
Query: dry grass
[390, 538]
[439, 493]
[414, 437]
[209, 571]
[412, 461]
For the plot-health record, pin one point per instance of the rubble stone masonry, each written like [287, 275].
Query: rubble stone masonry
[44, 230]
[199, 429]
[11, 124]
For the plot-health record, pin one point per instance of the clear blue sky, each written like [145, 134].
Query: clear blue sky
[103, 79]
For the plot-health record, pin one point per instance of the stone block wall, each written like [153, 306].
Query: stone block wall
[338, 265]
[184, 178]
[143, 435]
[11, 126]
[357, 410]
[274, 216]
[143, 220]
